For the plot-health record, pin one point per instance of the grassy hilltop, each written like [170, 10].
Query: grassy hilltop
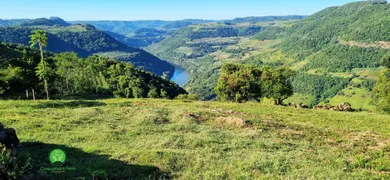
[153, 138]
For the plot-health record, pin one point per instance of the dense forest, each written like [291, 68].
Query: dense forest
[85, 40]
[320, 37]
[70, 75]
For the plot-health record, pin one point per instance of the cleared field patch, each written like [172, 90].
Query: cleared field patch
[359, 98]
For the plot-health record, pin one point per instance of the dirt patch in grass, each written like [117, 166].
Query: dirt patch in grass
[232, 121]
[370, 140]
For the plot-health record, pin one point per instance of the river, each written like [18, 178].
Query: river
[180, 76]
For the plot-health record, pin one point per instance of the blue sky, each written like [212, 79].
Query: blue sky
[159, 9]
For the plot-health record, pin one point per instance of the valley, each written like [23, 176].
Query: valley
[195, 90]
[307, 46]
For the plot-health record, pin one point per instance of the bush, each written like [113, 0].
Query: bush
[382, 92]
[99, 175]
[187, 97]
[13, 167]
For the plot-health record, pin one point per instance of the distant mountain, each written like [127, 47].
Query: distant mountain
[12, 22]
[184, 23]
[141, 38]
[84, 40]
[143, 33]
[255, 19]
[124, 27]
[53, 21]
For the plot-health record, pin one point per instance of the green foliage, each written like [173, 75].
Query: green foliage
[86, 40]
[11, 167]
[276, 84]
[101, 75]
[319, 86]
[53, 21]
[72, 75]
[43, 70]
[382, 91]
[100, 175]
[240, 83]
[323, 38]
[340, 58]
[270, 33]
[386, 61]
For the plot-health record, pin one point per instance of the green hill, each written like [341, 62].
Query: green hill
[84, 40]
[340, 43]
[204, 48]
[172, 139]
[345, 41]
[70, 75]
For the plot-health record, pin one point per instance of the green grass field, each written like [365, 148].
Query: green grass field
[163, 139]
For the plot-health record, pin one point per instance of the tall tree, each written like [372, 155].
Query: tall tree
[39, 37]
[240, 83]
[276, 84]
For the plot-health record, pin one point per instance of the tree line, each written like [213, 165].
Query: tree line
[66, 74]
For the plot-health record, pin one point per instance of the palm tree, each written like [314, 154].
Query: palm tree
[39, 37]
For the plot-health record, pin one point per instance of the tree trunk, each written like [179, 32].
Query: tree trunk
[46, 89]
[33, 94]
[46, 85]
[278, 102]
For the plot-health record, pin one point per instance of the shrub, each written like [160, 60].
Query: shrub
[13, 167]
[187, 97]
[99, 175]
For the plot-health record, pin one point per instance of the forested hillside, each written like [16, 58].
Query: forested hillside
[204, 48]
[336, 52]
[12, 22]
[85, 40]
[70, 75]
[142, 33]
[342, 42]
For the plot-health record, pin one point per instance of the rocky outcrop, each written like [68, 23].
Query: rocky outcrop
[300, 105]
[345, 106]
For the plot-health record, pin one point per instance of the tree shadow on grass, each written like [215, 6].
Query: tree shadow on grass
[69, 104]
[86, 164]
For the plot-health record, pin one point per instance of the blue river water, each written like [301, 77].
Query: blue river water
[180, 76]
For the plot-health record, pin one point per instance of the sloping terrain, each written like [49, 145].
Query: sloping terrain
[84, 40]
[204, 48]
[340, 43]
[161, 139]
